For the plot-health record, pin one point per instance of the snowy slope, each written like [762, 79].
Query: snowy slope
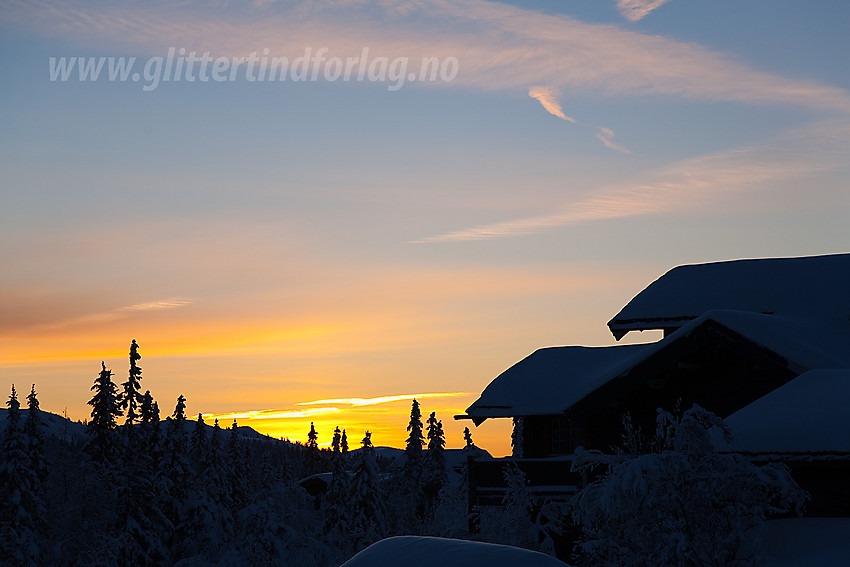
[55, 425]
[416, 551]
[62, 428]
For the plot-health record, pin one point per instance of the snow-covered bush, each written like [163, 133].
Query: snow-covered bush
[684, 504]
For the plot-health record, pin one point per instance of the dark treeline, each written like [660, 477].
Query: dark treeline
[136, 489]
[178, 491]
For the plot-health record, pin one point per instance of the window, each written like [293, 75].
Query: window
[565, 436]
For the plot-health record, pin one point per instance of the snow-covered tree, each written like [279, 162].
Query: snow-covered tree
[516, 438]
[217, 481]
[335, 501]
[206, 518]
[130, 397]
[518, 508]
[312, 437]
[102, 446]
[237, 470]
[684, 504]
[151, 434]
[175, 467]
[467, 437]
[198, 446]
[368, 518]
[414, 443]
[335, 441]
[34, 436]
[343, 444]
[435, 477]
[313, 457]
[143, 527]
[21, 505]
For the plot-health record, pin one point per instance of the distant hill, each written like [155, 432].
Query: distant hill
[65, 429]
[55, 425]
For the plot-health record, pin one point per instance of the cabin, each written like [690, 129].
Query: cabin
[736, 335]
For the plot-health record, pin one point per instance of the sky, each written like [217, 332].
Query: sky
[315, 211]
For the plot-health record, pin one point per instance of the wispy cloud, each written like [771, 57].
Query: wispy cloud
[274, 414]
[606, 136]
[498, 46]
[548, 98]
[116, 314]
[329, 407]
[634, 10]
[383, 399]
[690, 184]
[156, 305]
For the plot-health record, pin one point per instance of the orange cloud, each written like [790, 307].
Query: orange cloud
[548, 98]
[606, 136]
[382, 399]
[635, 10]
[120, 313]
[273, 414]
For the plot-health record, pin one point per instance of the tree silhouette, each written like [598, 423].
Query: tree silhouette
[131, 398]
[414, 443]
[102, 446]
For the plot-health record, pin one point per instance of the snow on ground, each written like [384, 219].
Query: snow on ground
[807, 542]
[55, 425]
[417, 551]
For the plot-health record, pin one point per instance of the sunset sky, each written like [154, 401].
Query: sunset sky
[287, 251]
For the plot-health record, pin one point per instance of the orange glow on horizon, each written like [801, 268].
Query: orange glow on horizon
[388, 423]
[382, 399]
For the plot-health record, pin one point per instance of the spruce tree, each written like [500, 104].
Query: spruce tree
[335, 500]
[145, 529]
[516, 438]
[312, 437]
[436, 438]
[176, 469]
[335, 443]
[344, 444]
[467, 436]
[102, 445]
[414, 443]
[34, 435]
[150, 428]
[20, 506]
[368, 516]
[150, 440]
[217, 481]
[130, 398]
[313, 457]
[198, 446]
[202, 530]
[237, 471]
[436, 459]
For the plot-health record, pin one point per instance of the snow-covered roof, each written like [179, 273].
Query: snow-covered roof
[551, 380]
[808, 414]
[418, 551]
[806, 343]
[813, 286]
